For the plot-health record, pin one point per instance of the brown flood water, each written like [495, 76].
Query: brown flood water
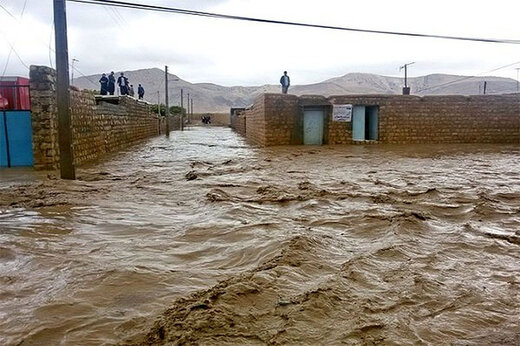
[295, 245]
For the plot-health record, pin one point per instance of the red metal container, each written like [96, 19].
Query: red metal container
[14, 93]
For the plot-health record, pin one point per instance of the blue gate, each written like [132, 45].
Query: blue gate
[358, 123]
[15, 139]
[313, 126]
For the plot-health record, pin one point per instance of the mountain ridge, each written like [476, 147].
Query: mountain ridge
[211, 97]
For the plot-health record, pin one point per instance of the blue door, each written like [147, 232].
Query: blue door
[3, 141]
[15, 139]
[358, 123]
[313, 126]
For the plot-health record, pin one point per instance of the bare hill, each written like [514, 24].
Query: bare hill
[210, 97]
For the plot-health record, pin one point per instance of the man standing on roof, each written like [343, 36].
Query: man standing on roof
[140, 91]
[104, 84]
[111, 83]
[122, 81]
[285, 81]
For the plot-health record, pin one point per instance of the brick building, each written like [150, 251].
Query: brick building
[278, 119]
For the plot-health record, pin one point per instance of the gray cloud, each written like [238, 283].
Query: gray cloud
[231, 53]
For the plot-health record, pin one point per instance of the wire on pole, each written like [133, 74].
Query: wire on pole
[140, 6]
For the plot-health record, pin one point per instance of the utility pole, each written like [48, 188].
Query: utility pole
[167, 111]
[72, 71]
[67, 169]
[158, 103]
[182, 109]
[188, 105]
[406, 89]
[191, 116]
[485, 87]
[517, 80]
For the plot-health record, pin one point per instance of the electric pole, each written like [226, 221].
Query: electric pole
[406, 89]
[167, 111]
[72, 71]
[191, 116]
[182, 109]
[158, 103]
[67, 169]
[188, 105]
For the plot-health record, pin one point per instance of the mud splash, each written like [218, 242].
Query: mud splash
[319, 245]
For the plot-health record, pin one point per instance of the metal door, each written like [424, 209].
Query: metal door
[4, 150]
[15, 139]
[358, 123]
[313, 126]
[373, 123]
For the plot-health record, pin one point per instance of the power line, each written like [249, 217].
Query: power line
[12, 46]
[468, 77]
[7, 11]
[15, 52]
[270, 21]
[49, 47]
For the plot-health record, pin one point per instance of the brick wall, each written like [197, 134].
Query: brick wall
[437, 119]
[96, 129]
[44, 117]
[255, 122]
[273, 120]
[277, 119]
[238, 121]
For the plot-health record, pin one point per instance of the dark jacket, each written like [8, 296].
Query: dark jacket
[104, 81]
[140, 91]
[111, 83]
[122, 80]
[288, 80]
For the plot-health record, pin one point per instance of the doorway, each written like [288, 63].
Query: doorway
[313, 121]
[365, 123]
[15, 139]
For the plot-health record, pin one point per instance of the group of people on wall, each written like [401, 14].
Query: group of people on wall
[108, 85]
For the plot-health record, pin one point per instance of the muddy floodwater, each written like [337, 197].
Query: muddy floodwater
[203, 239]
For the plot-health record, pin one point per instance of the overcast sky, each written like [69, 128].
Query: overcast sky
[229, 52]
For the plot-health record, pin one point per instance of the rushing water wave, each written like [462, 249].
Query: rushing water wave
[289, 245]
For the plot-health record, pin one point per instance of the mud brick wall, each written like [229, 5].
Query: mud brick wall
[276, 119]
[43, 117]
[96, 129]
[109, 128]
[437, 119]
[255, 122]
[273, 119]
[238, 122]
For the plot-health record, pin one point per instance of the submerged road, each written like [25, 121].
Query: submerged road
[416, 244]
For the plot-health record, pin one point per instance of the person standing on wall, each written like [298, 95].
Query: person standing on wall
[122, 81]
[111, 83]
[104, 84]
[140, 92]
[285, 81]
[131, 91]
